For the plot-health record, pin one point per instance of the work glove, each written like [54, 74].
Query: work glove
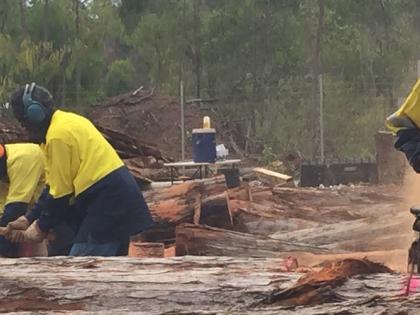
[32, 234]
[20, 223]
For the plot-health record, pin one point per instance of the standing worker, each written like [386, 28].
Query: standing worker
[22, 167]
[108, 205]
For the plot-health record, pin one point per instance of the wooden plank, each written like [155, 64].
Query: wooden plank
[273, 174]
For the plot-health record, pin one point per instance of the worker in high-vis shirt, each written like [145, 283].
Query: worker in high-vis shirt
[22, 170]
[80, 163]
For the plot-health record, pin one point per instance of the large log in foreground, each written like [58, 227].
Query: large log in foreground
[204, 240]
[134, 286]
[181, 285]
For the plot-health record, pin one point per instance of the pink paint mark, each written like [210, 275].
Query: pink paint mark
[411, 285]
[290, 264]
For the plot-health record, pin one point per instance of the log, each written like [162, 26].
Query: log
[178, 285]
[178, 204]
[202, 240]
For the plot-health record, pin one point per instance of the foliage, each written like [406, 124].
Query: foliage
[256, 58]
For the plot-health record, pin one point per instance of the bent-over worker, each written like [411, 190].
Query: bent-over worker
[22, 167]
[108, 205]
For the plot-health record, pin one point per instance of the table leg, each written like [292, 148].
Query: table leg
[172, 175]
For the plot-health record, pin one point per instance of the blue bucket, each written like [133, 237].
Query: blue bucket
[204, 145]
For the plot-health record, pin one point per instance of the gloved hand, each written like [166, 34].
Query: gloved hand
[15, 236]
[20, 223]
[32, 234]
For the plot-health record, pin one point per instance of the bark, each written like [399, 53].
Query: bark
[134, 286]
[192, 285]
[204, 240]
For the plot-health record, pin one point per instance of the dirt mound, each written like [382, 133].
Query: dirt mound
[11, 132]
[152, 118]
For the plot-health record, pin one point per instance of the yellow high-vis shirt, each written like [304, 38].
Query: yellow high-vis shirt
[25, 171]
[77, 154]
[410, 108]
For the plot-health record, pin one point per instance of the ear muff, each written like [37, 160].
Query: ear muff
[33, 111]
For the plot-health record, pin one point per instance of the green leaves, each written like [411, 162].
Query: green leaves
[256, 57]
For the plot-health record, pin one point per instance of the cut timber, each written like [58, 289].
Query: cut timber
[272, 178]
[181, 203]
[209, 241]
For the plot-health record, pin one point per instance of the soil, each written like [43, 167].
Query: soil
[151, 118]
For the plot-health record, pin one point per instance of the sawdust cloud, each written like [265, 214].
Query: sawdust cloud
[410, 194]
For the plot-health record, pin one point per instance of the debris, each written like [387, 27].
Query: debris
[150, 117]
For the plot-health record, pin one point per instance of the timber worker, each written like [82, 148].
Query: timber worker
[22, 170]
[108, 205]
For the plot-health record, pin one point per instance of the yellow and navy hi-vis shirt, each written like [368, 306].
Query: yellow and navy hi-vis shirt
[73, 147]
[25, 171]
[410, 108]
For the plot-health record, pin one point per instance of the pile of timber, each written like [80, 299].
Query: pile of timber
[205, 218]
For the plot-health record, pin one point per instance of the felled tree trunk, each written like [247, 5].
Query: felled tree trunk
[208, 241]
[134, 286]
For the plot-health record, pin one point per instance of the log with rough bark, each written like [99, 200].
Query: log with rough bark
[179, 286]
[132, 286]
[204, 240]
[181, 203]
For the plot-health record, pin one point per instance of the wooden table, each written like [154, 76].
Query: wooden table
[200, 166]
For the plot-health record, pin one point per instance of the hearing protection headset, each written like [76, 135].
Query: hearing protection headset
[33, 111]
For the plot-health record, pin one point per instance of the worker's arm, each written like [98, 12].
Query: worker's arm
[54, 201]
[12, 211]
[408, 142]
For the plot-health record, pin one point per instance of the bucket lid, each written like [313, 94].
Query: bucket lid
[204, 130]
